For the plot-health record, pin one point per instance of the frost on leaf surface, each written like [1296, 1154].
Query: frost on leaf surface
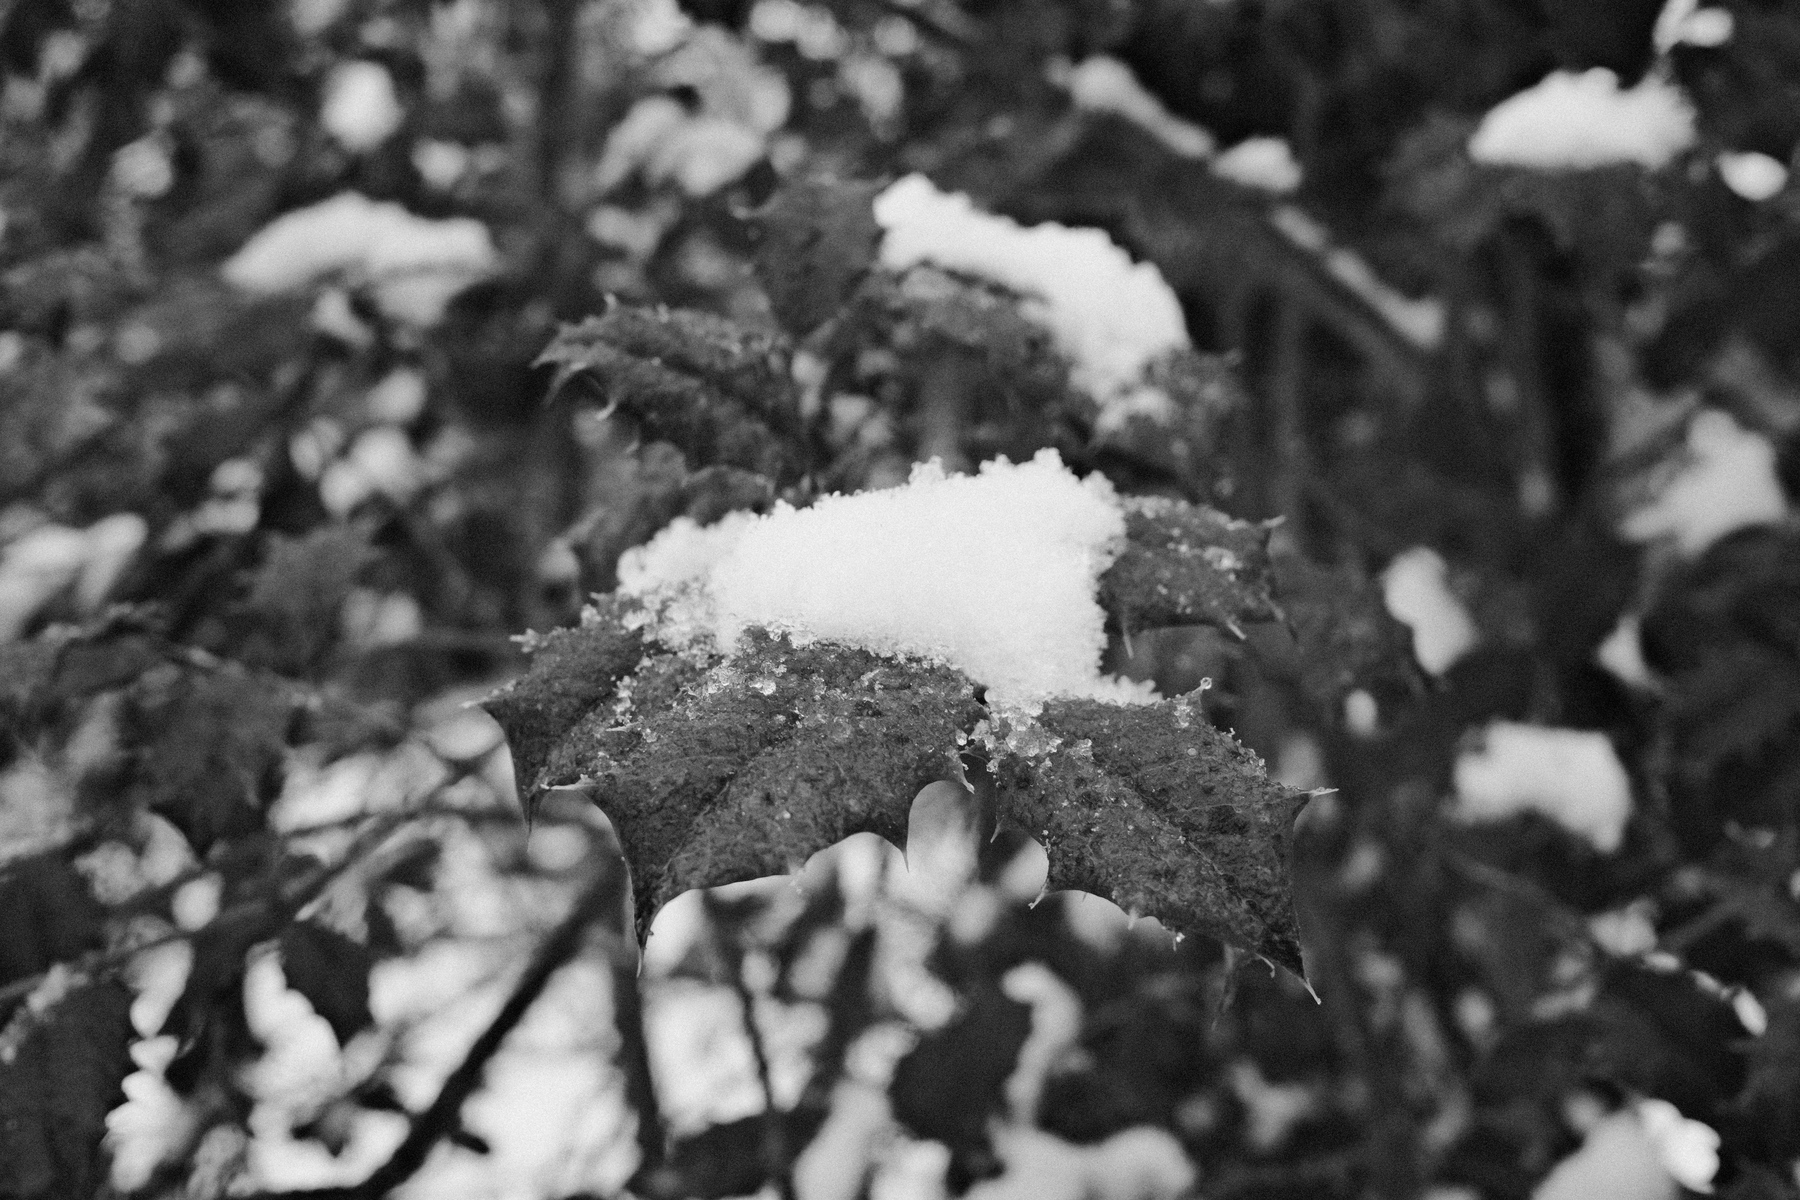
[762, 689]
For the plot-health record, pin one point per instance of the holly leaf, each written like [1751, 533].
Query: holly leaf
[55, 1093]
[332, 972]
[1184, 564]
[721, 393]
[733, 768]
[1153, 808]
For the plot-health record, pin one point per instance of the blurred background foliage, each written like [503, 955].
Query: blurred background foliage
[263, 881]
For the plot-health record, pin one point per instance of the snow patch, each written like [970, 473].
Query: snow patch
[1685, 23]
[993, 574]
[1729, 483]
[1571, 776]
[1415, 587]
[361, 109]
[1264, 163]
[1110, 317]
[1575, 121]
[1103, 84]
[415, 264]
[1755, 177]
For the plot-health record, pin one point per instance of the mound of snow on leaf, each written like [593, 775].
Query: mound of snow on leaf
[1729, 482]
[1264, 163]
[1573, 121]
[993, 574]
[416, 265]
[1110, 317]
[1416, 589]
[1571, 776]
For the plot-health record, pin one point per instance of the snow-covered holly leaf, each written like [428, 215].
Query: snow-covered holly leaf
[720, 392]
[744, 767]
[332, 972]
[56, 1090]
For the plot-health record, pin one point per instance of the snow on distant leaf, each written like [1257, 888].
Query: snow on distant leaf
[1571, 776]
[1571, 121]
[1264, 163]
[1685, 23]
[993, 574]
[1416, 588]
[415, 264]
[1755, 177]
[361, 109]
[1617, 1161]
[1728, 482]
[51, 559]
[1688, 1149]
[1103, 84]
[1111, 318]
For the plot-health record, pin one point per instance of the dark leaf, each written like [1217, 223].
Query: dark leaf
[1153, 808]
[209, 748]
[46, 916]
[296, 594]
[816, 240]
[734, 1159]
[953, 1083]
[721, 393]
[1185, 565]
[332, 972]
[55, 1094]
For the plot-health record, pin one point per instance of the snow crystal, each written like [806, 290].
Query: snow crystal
[1264, 163]
[1728, 483]
[1110, 317]
[1570, 120]
[1103, 84]
[993, 574]
[416, 264]
[361, 109]
[1755, 177]
[1571, 776]
[1416, 591]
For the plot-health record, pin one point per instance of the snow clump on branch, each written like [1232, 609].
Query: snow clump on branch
[415, 264]
[1571, 776]
[993, 574]
[1110, 317]
[1570, 121]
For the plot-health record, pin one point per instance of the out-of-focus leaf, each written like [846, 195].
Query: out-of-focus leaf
[46, 916]
[953, 1083]
[816, 240]
[332, 971]
[720, 392]
[207, 748]
[56, 1091]
[296, 594]
[1184, 565]
[734, 1159]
